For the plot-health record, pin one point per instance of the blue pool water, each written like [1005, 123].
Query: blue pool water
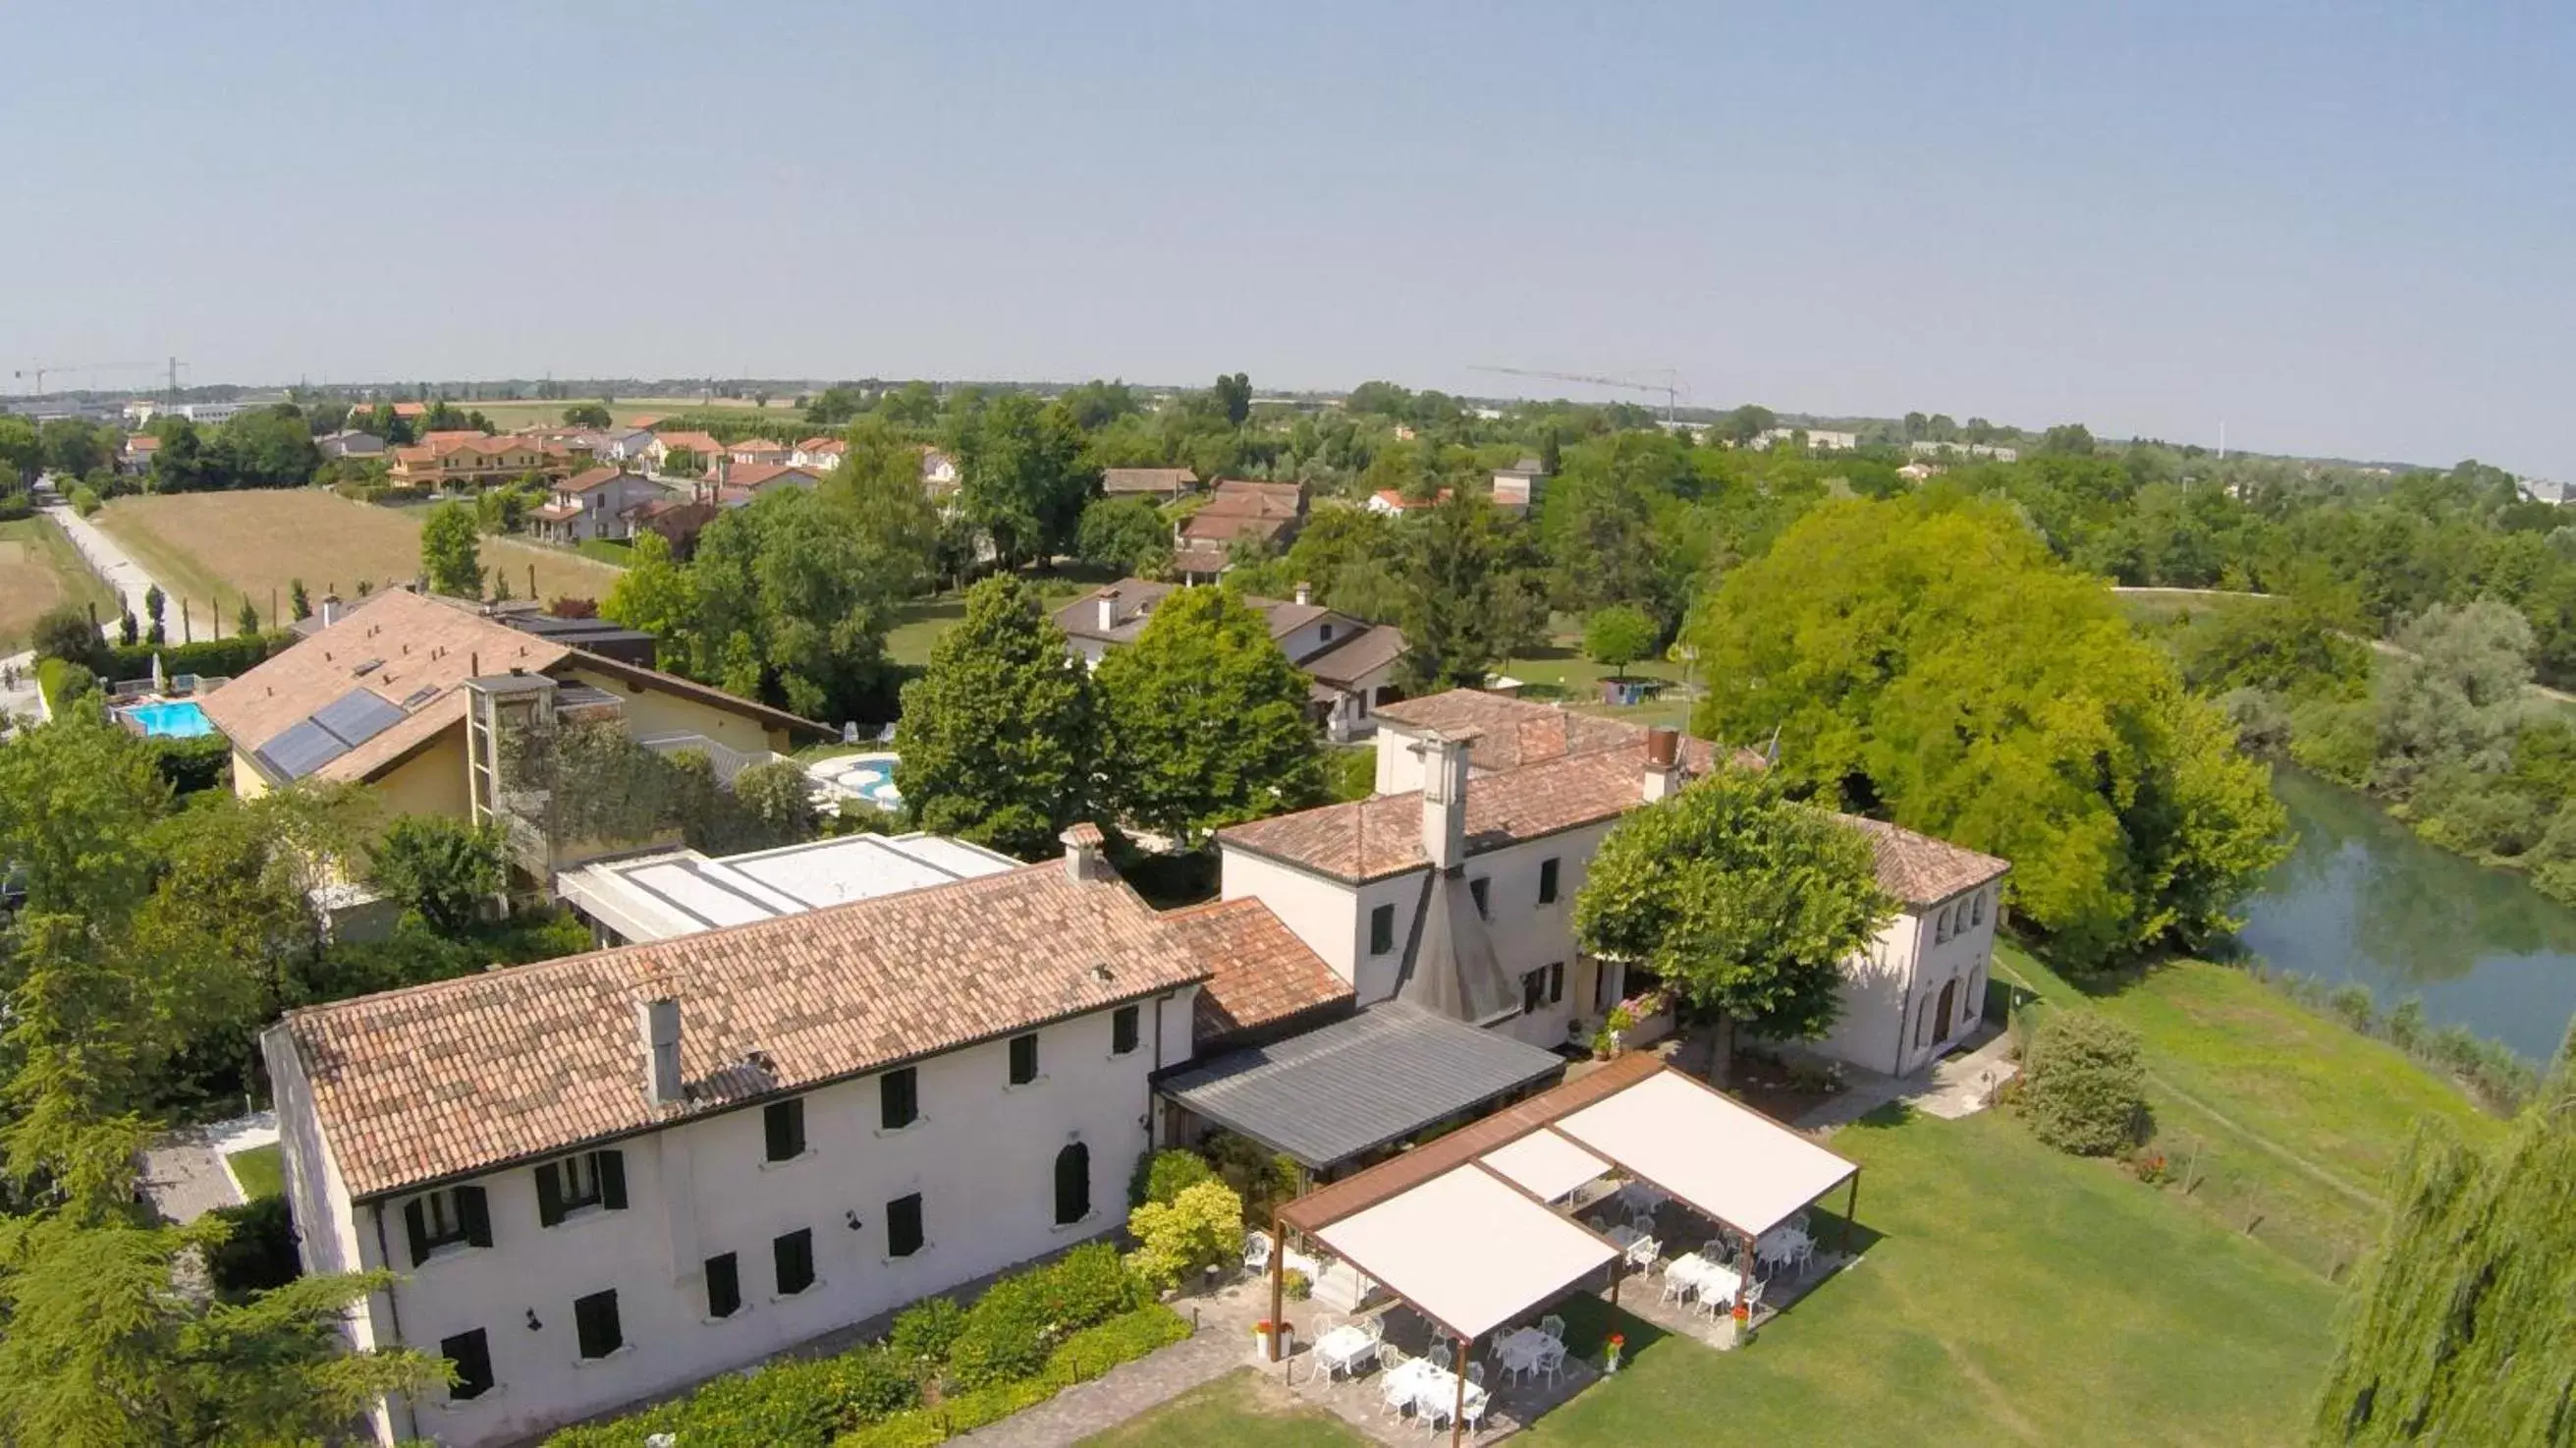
[876, 781]
[171, 719]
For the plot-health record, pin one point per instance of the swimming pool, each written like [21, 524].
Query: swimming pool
[869, 776]
[170, 718]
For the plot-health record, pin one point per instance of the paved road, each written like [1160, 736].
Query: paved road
[113, 563]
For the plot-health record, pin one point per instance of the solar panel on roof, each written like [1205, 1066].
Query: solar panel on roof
[302, 749]
[358, 716]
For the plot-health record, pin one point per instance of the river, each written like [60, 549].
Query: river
[2362, 899]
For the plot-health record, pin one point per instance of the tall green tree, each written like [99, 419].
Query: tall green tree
[439, 868]
[1203, 721]
[1924, 658]
[586, 414]
[22, 451]
[2459, 1328]
[1127, 534]
[1474, 595]
[1618, 636]
[1744, 903]
[1027, 474]
[1234, 396]
[451, 550]
[997, 739]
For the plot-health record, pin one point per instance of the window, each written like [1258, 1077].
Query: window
[1024, 1059]
[1605, 977]
[1533, 990]
[785, 1123]
[1941, 928]
[454, 1217]
[594, 1320]
[899, 1098]
[1476, 888]
[473, 1359]
[1382, 930]
[724, 1286]
[592, 1179]
[1122, 1030]
[1072, 1184]
[1547, 882]
[793, 1257]
[1977, 904]
[903, 1225]
[1327, 635]
[1556, 983]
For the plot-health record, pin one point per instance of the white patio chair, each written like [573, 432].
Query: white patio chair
[1753, 1294]
[1553, 1326]
[1394, 1390]
[1675, 1287]
[1439, 1356]
[1389, 1357]
[1642, 1223]
[1375, 1326]
[1476, 1415]
[1475, 1374]
[1598, 1223]
[1551, 1360]
[1256, 1251]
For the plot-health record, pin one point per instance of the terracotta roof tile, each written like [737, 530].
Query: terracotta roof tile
[468, 1075]
[1262, 973]
[1116, 481]
[1921, 870]
[589, 478]
[1358, 655]
[1373, 838]
[752, 476]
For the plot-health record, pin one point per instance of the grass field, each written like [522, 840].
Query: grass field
[625, 410]
[259, 1170]
[39, 569]
[212, 548]
[1559, 673]
[2281, 1118]
[1240, 1410]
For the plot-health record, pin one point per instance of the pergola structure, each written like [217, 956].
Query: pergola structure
[1465, 1230]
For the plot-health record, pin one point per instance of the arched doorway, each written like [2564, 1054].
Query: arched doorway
[1949, 998]
[1072, 1184]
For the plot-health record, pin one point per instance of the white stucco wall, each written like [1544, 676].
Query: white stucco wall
[982, 1155]
[1529, 936]
[1891, 995]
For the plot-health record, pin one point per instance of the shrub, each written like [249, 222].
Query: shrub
[924, 1332]
[65, 683]
[2405, 1024]
[260, 1253]
[788, 1404]
[226, 658]
[1263, 1179]
[1200, 1228]
[85, 500]
[65, 632]
[1296, 1285]
[2352, 1004]
[2083, 1084]
[1012, 1327]
[191, 765]
[1083, 1356]
[1165, 1175]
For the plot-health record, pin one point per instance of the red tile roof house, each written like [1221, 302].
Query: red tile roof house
[1239, 511]
[819, 453]
[595, 503]
[1350, 662]
[701, 446]
[1452, 886]
[606, 1177]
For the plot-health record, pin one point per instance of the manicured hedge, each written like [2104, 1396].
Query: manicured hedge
[1078, 1359]
[226, 658]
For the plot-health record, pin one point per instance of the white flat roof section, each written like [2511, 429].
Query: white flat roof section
[658, 897]
[1468, 1250]
[1546, 1164]
[1729, 1161]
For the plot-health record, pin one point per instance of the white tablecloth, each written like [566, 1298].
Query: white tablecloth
[1521, 1348]
[1711, 1280]
[1431, 1389]
[1344, 1347]
[1781, 1247]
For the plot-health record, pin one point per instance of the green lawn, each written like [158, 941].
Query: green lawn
[921, 623]
[1558, 672]
[40, 570]
[1239, 1410]
[2287, 1120]
[259, 1170]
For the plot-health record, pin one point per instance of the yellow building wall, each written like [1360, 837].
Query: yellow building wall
[431, 782]
[650, 711]
[247, 783]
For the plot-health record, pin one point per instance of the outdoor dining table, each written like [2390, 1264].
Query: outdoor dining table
[1782, 1247]
[1431, 1389]
[1640, 1247]
[1709, 1279]
[1344, 1348]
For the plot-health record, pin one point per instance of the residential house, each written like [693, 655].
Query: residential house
[734, 485]
[939, 472]
[822, 454]
[1390, 503]
[137, 454]
[621, 444]
[596, 503]
[1928, 449]
[407, 695]
[677, 520]
[1517, 488]
[2543, 490]
[701, 446]
[758, 452]
[1240, 511]
[1350, 663]
[1452, 886]
[725, 1143]
[662, 896]
[1816, 439]
[350, 443]
[1160, 483]
[470, 459]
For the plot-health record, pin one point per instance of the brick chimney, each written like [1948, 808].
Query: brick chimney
[330, 609]
[1444, 796]
[1305, 592]
[658, 1023]
[1106, 604]
[1086, 853]
[1663, 776]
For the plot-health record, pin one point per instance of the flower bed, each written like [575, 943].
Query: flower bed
[1084, 1356]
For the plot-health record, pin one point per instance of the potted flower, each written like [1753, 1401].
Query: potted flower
[1610, 1356]
[1261, 1335]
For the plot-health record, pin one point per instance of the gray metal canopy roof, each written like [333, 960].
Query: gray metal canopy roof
[1329, 1094]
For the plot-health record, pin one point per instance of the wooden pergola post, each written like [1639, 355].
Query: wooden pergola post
[1744, 1275]
[1458, 1414]
[1851, 1209]
[1615, 1275]
[1278, 1282]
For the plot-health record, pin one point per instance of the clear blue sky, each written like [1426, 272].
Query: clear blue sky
[2341, 229]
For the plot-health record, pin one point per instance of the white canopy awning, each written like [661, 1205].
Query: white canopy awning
[1727, 1160]
[1467, 1250]
[1546, 1164]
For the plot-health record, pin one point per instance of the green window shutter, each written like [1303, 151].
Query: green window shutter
[416, 1226]
[549, 1195]
[475, 1215]
[612, 1180]
[785, 1124]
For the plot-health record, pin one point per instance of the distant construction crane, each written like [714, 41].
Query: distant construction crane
[38, 372]
[1671, 387]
